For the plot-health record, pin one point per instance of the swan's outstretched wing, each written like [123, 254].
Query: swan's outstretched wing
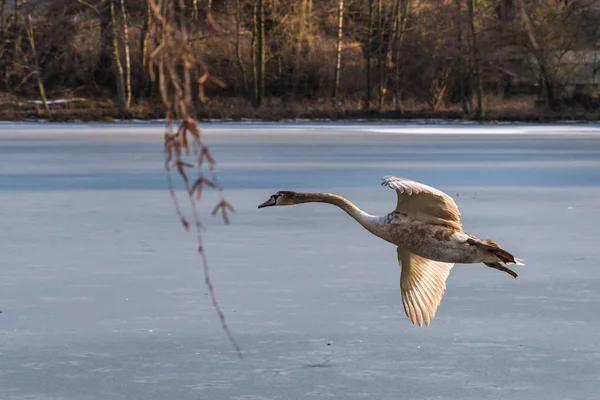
[422, 284]
[423, 202]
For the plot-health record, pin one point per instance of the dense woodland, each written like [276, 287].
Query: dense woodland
[271, 59]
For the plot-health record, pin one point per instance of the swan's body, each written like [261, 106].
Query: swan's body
[426, 228]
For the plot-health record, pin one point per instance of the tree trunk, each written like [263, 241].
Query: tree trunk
[14, 40]
[402, 18]
[238, 50]
[195, 10]
[368, 54]
[392, 35]
[308, 18]
[464, 101]
[127, 55]
[17, 14]
[3, 18]
[380, 55]
[145, 84]
[41, 88]
[547, 81]
[300, 45]
[477, 62]
[261, 52]
[338, 57]
[118, 67]
[438, 89]
[104, 72]
[254, 52]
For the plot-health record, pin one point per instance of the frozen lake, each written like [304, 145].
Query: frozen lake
[102, 293]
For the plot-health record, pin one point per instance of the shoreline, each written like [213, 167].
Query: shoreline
[277, 110]
[417, 127]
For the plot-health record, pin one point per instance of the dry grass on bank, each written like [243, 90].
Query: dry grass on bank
[279, 109]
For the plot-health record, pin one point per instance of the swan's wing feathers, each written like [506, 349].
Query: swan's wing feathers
[422, 284]
[408, 186]
[423, 202]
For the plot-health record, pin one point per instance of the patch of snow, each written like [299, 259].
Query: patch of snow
[50, 102]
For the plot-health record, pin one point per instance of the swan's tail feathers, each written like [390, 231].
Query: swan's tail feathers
[503, 255]
[501, 267]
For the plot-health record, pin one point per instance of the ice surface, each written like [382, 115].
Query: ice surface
[103, 298]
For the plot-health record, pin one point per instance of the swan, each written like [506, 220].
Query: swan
[426, 228]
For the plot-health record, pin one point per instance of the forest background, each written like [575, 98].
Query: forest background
[287, 59]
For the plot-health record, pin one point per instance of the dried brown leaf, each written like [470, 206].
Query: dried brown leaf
[183, 174]
[229, 206]
[181, 163]
[224, 215]
[222, 206]
[209, 157]
[185, 224]
[185, 143]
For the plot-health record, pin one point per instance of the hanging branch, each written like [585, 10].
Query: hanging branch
[178, 69]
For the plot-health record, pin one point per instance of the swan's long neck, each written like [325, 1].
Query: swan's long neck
[368, 221]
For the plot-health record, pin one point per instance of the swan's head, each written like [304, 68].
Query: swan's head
[282, 198]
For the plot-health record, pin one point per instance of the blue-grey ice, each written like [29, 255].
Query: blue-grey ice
[102, 293]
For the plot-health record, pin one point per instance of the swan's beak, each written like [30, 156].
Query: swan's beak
[271, 202]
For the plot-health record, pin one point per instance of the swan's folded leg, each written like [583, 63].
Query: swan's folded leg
[501, 267]
[492, 247]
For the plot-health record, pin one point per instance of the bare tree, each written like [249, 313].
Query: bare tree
[389, 52]
[17, 14]
[3, 17]
[238, 48]
[117, 65]
[254, 53]
[127, 56]
[446, 53]
[338, 54]
[401, 21]
[261, 50]
[369, 54]
[110, 39]
[195, 10]
[546, 79]
[476, 61]
[259, 57]
[465, 100]
[380, 54]
[42, 89]
[258, 52]
[301, 42]
[144, 39]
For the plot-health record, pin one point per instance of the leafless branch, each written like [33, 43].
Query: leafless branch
[173, 62]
